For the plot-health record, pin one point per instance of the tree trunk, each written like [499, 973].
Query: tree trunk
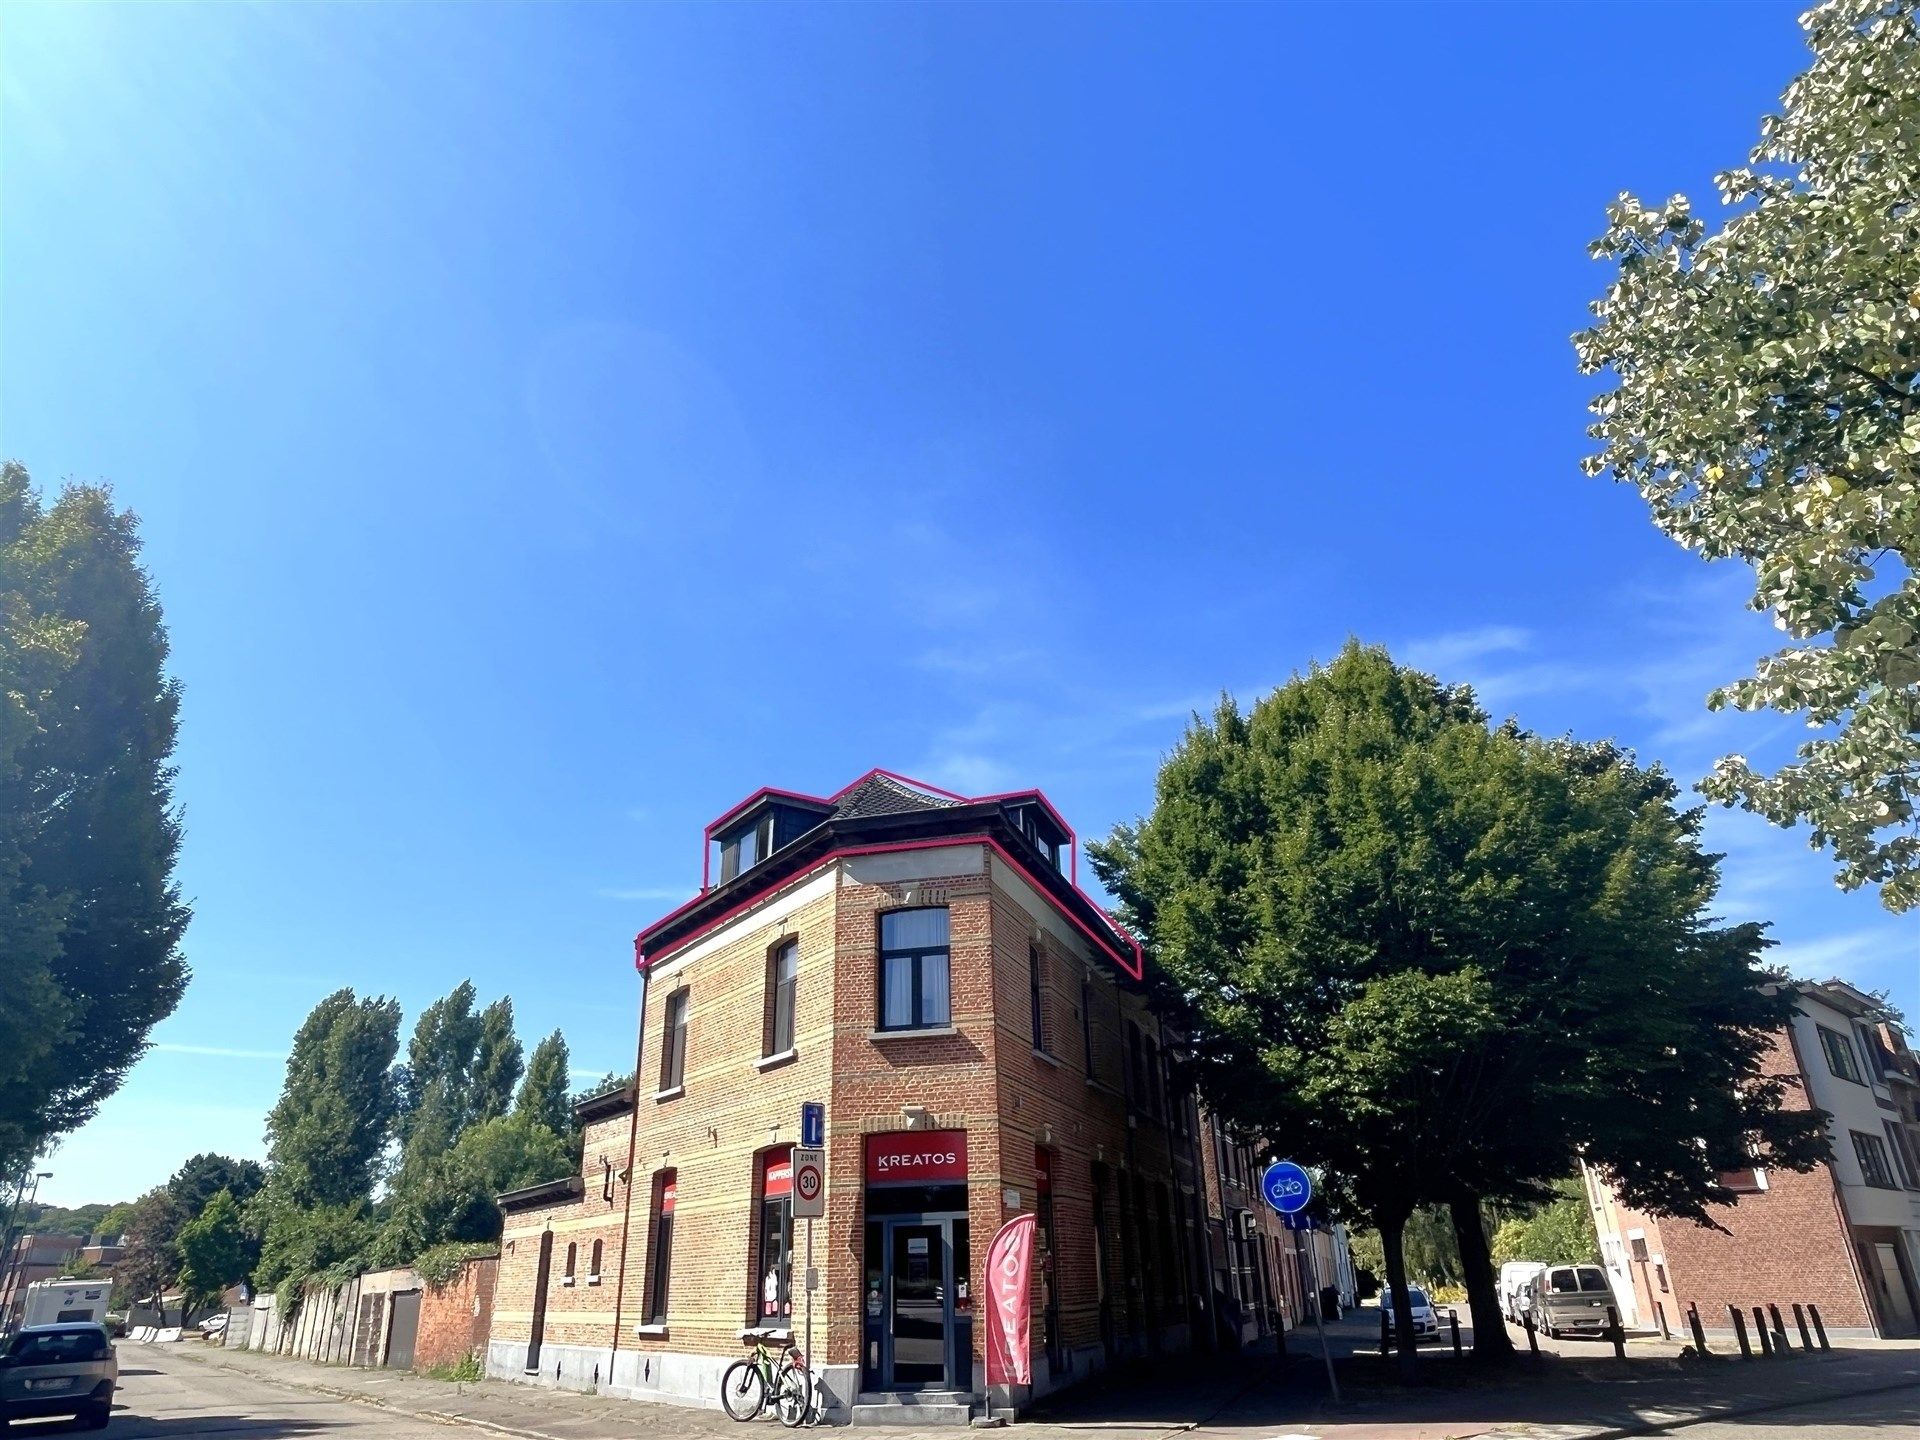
[1490, 1338]
[1406, 1343]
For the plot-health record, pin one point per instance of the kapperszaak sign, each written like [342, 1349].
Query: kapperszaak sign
[917, 1157]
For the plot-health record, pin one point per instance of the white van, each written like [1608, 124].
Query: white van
[1512, 1286]
[66, 1302]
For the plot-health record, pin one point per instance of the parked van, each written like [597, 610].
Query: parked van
[66, 1302]
[1569, 1299]
[1512, 1286]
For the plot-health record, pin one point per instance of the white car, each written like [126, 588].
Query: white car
[1426, 1320]
[1515, 1275]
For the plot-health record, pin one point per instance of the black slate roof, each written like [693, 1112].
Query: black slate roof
[882, 795]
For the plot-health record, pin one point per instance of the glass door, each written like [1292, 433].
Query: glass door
[919, 1306]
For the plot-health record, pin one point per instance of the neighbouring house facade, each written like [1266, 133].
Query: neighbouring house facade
[1844, 1236]
[980, 1032]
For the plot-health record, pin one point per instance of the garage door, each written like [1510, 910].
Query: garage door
[404, 1327]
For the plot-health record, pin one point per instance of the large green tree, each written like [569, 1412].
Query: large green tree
[1766, 403]
[326, 1133]
[151, 1263]
[544, 1093]
[497, 1062]
[90, 916]
[1440, 958]
[214, 1251]
[452, 1196]
[435, 1088]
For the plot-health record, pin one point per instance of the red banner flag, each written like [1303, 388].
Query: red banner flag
[1010, 1303]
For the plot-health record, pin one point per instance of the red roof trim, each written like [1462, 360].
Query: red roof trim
[1117, 943]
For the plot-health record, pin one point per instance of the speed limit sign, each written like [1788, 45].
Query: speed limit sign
[809, 1183]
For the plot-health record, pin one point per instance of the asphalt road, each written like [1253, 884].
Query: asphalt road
[1863, 1417]
[187, 1400]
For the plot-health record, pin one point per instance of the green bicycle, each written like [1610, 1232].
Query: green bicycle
[753, 1386]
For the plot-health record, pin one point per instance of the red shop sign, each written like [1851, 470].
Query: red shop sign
[917, 1157]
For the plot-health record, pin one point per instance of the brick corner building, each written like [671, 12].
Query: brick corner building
[925, 965]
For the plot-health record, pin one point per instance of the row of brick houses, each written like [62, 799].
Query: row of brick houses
[926, 965]
[1845, 1236]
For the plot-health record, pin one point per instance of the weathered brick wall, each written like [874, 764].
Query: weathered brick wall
[454, 1318]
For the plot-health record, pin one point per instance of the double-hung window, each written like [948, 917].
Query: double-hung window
[660, 1252]
[673, 1043]
[1840, 1057]
[1875, 1168]
[1902, 1158]
[914, 969]
[774, 1270]
[783, 981]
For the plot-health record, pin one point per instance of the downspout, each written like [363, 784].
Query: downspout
[633, 1127]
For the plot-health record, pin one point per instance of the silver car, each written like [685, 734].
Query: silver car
[59, 1370]
[1570, 1299]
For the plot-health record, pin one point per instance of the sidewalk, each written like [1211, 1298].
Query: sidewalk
[1254, 1395]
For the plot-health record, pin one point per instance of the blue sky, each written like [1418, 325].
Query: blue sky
[551, 423]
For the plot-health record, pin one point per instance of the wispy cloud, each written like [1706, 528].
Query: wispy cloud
[646, 892]
[1831, 955]
[1443, 653]
[218, 1052]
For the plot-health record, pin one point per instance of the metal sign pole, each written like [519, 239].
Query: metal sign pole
[807, 1372]
[1319, 1320]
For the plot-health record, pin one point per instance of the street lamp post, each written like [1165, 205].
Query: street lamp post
[10, 1263]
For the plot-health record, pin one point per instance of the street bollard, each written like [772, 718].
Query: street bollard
[1740, 1331]
[1779, 1331]
[1617, 1333]
[1533, 1340]
[1660, 1318]
[1699, 1330]
[1760, 1326]
[1800, 1319]
[1386, 1334]
[1813, 1314]
[1453, 1320]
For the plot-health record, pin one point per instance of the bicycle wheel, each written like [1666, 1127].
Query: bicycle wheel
[793, 1396]
[743, 1390]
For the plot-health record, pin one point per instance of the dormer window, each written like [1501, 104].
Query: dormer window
[746, 847]
[1039, 830]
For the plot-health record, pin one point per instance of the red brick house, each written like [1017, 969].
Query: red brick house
[926, 965]
[1845, 1236]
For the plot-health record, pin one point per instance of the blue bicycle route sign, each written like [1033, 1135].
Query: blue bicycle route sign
[1286, 1186]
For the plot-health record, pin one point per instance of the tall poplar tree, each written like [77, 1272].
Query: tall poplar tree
[545, 1094]
[90, 915]
[497, 1062]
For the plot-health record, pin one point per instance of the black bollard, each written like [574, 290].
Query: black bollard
[1780, 1344]
[1800, 1320]
[1813, 1314]
[1533, 1340]
[1740, 1331]
[1760, 1327]
[1453, 1320]
[1699, 1330]
[1616, 1333]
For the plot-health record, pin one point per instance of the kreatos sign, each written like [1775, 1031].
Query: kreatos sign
[917, 1157]
[1010, 1303]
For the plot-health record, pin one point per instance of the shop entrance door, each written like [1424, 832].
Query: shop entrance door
[923, 1323]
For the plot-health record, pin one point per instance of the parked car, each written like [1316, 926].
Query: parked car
[1569, 1299]
[1512, 1287]
[59, 1370]
[1426, 1323]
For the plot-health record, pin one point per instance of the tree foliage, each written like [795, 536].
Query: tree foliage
[1441, 958]
[1559, 1232]
[451, 1198]
[327, 1131]
[1767, 406]
[151, 1263]
[90, 916]
[214, 1250]
[544, 1092]
[497, 1062]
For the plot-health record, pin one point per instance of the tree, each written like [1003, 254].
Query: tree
[150, 1263]
[435, 1086]
[1560, 1232]
[206, 1175]
[90, 916]
[214, 1252]
[1767, 406]
[1442, 958]
[497, 1062]
[452, 1198]
[326, 1133]
[543, 1096]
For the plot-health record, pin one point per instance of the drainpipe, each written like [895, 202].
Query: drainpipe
[633, 1127]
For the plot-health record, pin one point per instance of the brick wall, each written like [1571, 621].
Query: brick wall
[454, 1318]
